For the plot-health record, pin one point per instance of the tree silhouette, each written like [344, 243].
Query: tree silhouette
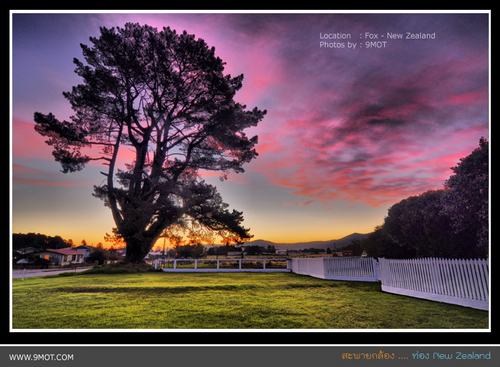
[164, 96]
[467, 198]
[451, 223]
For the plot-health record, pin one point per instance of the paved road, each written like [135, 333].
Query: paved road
[42, 272]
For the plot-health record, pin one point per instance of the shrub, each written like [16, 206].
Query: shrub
[121, 268]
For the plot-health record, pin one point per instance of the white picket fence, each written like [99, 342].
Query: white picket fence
[313, 266]
[461, 282]
[222, 265]
[338, 268]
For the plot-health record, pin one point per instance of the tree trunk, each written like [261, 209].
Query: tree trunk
[137, 249]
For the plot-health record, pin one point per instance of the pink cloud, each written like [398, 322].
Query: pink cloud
[377, 158]
[30, 176]
[26, 143]
[37, 182]
[20, 169]
[468, 97]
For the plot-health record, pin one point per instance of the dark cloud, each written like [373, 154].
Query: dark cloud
[381, 121]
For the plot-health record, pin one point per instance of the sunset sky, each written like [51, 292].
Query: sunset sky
[349, 132]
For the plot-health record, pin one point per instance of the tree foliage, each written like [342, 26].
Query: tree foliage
[99, 255]
[37, 240]
[419, 225]
[467, 197]
[452, 222]
[165, 97]
[194, 251]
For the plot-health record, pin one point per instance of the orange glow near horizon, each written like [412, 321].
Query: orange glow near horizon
[316, 231]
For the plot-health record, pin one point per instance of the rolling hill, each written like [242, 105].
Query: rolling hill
[332, 244]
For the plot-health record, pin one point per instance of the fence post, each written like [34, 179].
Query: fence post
[376, 268]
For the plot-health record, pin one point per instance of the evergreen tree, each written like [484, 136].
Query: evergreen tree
[164, 96]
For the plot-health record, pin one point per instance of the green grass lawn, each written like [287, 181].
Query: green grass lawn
[224, 301]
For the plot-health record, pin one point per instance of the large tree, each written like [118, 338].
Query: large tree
[467, 198]
[419, 225]
[164, 96]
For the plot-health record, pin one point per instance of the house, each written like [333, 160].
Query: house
[281, 252]
[28, 250]
[347, 252]
[63, 256]
[154, 255]
[353, 249]
[236, 253]
[85, 250]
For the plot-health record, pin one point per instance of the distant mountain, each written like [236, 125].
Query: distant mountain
[337, 244]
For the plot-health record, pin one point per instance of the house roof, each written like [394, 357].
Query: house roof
[83, 247]
[26, 250]
[64, 251]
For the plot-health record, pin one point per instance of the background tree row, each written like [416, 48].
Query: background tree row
[452, 222]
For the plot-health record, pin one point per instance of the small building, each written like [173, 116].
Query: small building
[85, 250]
[156, 254]
[63, 256]
[28, 250]
[352, 250]
[236, 253]
[347, 252]
[281, 252]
